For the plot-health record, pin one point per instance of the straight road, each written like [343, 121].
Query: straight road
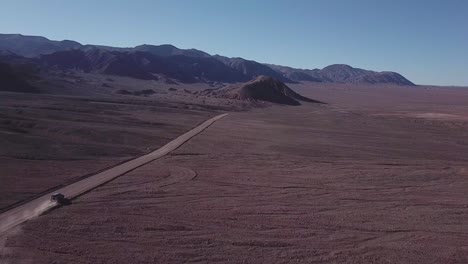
[35, 207]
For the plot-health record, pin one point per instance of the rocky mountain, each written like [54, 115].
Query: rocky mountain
[183, 65]
[96, 61]
[342, 73]
[32, 46]
[142, 65]
[262, 88]
[165, 50]
[251, 69]
[169, 50]
[297, 75]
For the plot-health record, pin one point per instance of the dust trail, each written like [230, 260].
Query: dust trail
[16, 219]
[9, 226]
[40, 209]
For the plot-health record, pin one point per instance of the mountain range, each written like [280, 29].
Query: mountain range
[171, 63]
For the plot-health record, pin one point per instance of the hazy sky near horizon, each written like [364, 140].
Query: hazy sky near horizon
[425, 40]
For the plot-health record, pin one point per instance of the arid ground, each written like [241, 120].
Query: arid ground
[49, 140]
[379, 175]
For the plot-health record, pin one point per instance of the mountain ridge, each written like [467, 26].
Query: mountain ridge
[342, 73]
[187, 65]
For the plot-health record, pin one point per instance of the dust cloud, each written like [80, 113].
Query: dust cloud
[16, 216]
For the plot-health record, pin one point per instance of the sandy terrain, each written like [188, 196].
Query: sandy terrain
[31, 209]
[386, 98]
[49, 140]
[349, 182]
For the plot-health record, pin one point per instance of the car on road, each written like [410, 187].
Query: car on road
[58, 197]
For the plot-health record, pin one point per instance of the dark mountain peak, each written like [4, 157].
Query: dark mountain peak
[262, 88]
[102, 47]
[33, 46]
[222, 59]
[337, 67]
[167, 46]
[341, 73]
[170, 50]
[21, 36]
[384, 77]
[342, 68]
[70, 44]
[348, 74]
[14, 35]
[159, 48]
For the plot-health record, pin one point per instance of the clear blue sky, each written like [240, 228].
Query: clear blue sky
[425, 40]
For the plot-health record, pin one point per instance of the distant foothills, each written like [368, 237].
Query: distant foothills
[169, 63]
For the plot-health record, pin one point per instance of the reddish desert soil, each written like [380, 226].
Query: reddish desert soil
[366, 179]
[40, 205]
[50, 140]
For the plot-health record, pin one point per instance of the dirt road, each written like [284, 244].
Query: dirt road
[26, 211]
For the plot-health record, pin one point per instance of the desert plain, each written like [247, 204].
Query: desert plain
[377, 175]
